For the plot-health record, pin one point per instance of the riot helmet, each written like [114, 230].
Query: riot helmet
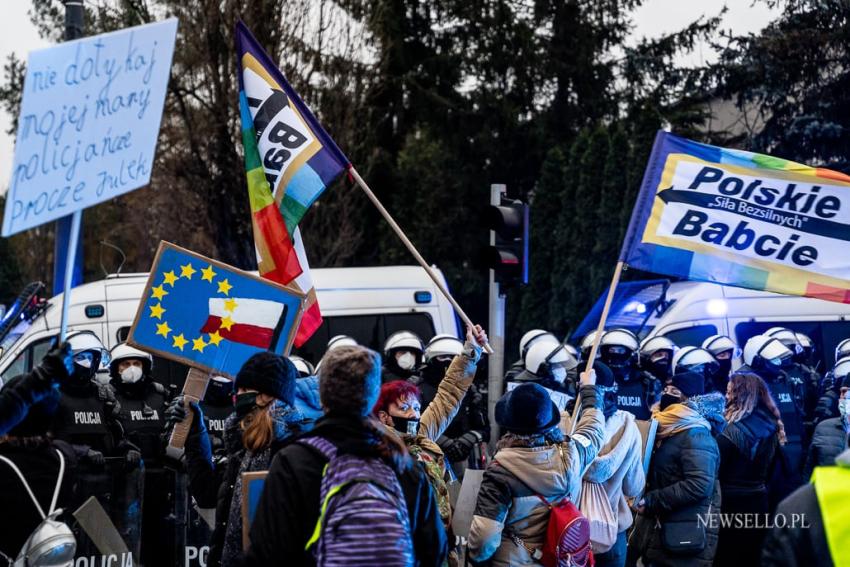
[546, 360]
[403, 352]
[618, 349]
[696, 360]
[131, 375]
[531, 337]
[303, 366]
[766, 355]
[438, 355]
[88, 353]
[656, 356]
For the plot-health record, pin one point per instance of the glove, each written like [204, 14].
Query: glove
[57, 365]
[176, 412]
[133, 458]
[460, 448]
[95, 457]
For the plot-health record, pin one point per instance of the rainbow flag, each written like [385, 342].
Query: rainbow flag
[289, 160]
[741, 218]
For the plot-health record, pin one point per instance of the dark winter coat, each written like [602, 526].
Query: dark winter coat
[829, 440]
[289, 507]
[683, 484]
[798, 545]
[748, 449]
[40, 466]
[18, 396]
[213, 483]
[142, 415]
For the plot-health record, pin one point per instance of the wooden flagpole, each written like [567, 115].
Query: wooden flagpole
[400, 233]
[598, 338]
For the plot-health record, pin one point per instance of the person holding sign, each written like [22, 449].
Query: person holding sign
[264, 420]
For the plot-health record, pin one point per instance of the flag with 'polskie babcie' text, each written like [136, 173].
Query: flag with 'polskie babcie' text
[740, 218]
[289, 161]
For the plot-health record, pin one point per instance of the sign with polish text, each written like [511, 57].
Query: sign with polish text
[88, 123]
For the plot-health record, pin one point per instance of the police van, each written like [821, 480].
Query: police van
[369, 304]
[688, 312]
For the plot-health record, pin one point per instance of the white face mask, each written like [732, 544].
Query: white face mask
[559, 374]
[406, 361]
[131, 375]
[844, 407]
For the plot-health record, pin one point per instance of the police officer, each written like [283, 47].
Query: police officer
[471, 426]
[828, 391]
[699, 361]
[656, 357]
[587, 345]
[216, 407]
[529, 338]
[637, 391]
[725, 351]
[88, 419]
[768, 357]
[143, 402]
[805, 379]
[403, 352]
[550, 365]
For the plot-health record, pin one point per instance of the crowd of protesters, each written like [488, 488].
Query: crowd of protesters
[667, 455]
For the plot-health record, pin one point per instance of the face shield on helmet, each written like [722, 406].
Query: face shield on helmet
[808, 347]
[587, 345]
[88, 354]
[438, 355]
[303, 367]
[656, 356]
[842, 350]
[696, 360]
[618, 348]
[787, 337]
[532, 336]
[766, 354]
[545, 360]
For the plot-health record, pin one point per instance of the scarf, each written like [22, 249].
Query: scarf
[699, 411]
[288, 421]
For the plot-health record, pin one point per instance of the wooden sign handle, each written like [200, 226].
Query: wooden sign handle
[193, 391]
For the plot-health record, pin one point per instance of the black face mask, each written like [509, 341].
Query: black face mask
[668, 400]
[435, 371]
[404, 425]
[245, 404]
[660, 369]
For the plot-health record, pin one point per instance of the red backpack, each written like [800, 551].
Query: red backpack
[567, 542]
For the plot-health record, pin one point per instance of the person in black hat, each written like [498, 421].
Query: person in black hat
[682, 484]
[534, 458]
[264, 419]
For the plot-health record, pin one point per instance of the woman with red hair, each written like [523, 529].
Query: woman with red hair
[399, 408]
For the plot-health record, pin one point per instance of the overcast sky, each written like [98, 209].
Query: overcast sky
[655, 17]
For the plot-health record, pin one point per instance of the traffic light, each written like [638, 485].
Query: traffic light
[507, 254]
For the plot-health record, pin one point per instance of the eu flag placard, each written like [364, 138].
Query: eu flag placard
[212, 316]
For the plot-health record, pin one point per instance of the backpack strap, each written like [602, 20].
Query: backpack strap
[321, 445]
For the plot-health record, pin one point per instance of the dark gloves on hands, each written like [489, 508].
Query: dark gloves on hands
[57, 365]
[133, 458]
[459, 449]
[95, 457]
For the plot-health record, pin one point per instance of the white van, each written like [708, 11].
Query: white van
[688, 312]
[368, 304]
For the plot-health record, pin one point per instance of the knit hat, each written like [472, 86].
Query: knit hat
[689, 383]
[527, 409]
[350, 380]
[270, 374]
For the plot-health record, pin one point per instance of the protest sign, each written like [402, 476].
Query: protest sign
[211, 316]
[88, 123]
[465, 507]
[252, 489]
[741, 218]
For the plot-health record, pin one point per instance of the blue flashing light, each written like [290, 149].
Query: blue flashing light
[422, 297]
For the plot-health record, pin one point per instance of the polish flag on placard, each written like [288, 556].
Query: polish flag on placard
[254, 322]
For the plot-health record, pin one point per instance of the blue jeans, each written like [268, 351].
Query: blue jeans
[616, 556]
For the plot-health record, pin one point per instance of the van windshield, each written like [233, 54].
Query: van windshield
[368, 330]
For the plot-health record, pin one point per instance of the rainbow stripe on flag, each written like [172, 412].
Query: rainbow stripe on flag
[741, 218]
[290, 160]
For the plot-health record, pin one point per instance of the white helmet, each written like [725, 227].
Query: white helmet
[542, 357]
[531, 337]
[768, 348]
[842, 369]
[694, 359]
[340, 340]
[804, 340]
[87, 341]
[442, 345]
[304, 367]
[715, 344]
[124, 351]
[572, 350]
[653, 345]
[587, 343]
[405, 340]
[786, 337]
[842, 350]
[618, 347]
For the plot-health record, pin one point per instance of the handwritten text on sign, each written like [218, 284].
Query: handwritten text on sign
[89, 122]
